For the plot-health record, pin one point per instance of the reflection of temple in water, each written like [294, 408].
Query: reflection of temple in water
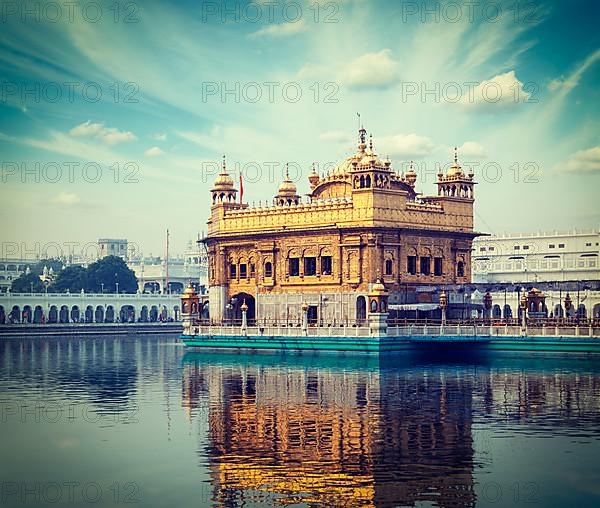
[333, 437]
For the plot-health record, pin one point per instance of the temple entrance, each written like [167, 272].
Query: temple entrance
[313, 315]
[234, 308]
[361, 310]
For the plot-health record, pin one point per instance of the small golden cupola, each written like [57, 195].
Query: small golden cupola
[313, 178]
[455, 168]
[287, 193]
[411, 175]
[455, 183]
[223, 190]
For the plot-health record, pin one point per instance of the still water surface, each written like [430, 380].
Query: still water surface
[110, 421]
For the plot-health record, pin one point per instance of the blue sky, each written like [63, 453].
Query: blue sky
[516, 90]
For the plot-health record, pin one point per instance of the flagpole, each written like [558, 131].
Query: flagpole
[167, 265]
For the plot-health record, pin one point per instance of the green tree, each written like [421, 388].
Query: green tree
[109, 271]
[25, 283]
[72, 278]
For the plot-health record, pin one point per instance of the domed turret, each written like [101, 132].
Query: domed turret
[313, 178]
[287, 193]
[223, 190]
[455, 169]
[411, 175]
[455, 183]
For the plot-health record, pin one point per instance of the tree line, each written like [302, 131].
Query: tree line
[105, 275]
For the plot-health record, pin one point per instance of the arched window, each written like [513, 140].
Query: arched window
[361, 309]
[184, 307]
[194, 307]
[460, 269]
[268, 269]
[389, 267]
[373, 305]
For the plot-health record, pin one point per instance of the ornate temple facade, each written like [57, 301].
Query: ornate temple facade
[362, 222]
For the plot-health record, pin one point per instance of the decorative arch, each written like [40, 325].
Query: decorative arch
[27, 315]
[53, 314]
[460, 267]
[361, 310]
[38, 315]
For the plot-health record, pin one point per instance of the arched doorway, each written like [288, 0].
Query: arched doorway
[38, 315]
[507, 312]
[581, 311]
[176, 312]
[361, 310]
[53, 314]
[75, 314]
[99, 315]
[15, 315]
[596, 311]
[27, 314]
[110, 314]
[89, 314]
[2, 315]
[153, 314]
[127, 314]
[558, 311]
[63, 315]
[234, 308]
[205, 312]
[144, 314]
[496, 312]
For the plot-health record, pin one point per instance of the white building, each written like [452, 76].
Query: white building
[152, 272]
[535, 257]
[112, 247]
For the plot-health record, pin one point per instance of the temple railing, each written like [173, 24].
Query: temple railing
[462, 330]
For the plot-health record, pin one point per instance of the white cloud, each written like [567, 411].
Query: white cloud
[567, 84]
[108, 135]
[66, 199]
[561, 84]
[154, 152]
[160, 136]
[504, 90]
[405, 145]
[471, 150]
[583, 161]
[281, 29]
[370, 71]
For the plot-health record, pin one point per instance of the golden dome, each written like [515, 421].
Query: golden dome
[223, 181]
[287, 187]
[455, 169]
[313, 178]
[189, 292]
[378, 288]
[411, 175]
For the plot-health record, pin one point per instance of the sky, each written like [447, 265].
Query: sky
[115, 116]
